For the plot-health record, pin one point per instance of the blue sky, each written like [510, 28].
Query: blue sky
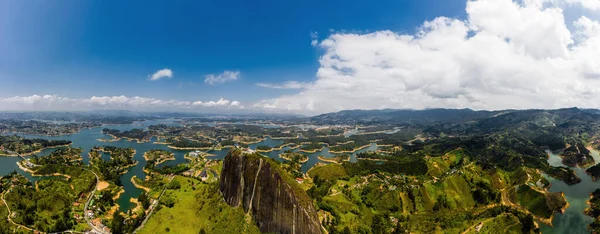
[83, 48]
[480, 54]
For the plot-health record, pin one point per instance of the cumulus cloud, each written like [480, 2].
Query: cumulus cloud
[164, 73]
[286, 85]
[505, 54]
[53, 102]
[226, 76]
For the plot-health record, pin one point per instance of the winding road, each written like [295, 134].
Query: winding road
[9, 213]
[85, 208]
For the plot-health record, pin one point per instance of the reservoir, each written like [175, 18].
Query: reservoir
[573, 220]
[88, 138]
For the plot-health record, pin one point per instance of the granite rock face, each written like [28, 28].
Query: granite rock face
[275, 201]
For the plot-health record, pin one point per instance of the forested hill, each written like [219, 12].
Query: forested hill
[393, 116]
[461, 118]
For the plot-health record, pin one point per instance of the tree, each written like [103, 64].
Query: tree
[117, 225]
[143, 199]
[379, 224]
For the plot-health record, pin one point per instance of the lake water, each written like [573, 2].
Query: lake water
[573, 221]
[88, 138]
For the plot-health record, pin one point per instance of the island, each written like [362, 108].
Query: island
[577, 155]
[294, 156]
[136, 134]
[158, 156]
[16, 145]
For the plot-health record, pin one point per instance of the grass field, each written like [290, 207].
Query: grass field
[504, 223]
[328, 172]
[533, 200]
[197, 206]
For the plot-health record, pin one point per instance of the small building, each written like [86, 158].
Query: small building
[248, 151]
[300, 180]
[193, 154]
[204, 175]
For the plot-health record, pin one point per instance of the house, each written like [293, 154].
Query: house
[299, 180]
[193, 154]
[204, 175]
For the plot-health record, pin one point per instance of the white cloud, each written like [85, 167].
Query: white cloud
[314, 38]
[53, 102]
[164, 73]
[504, 55]
[226, 76]
[286, 85]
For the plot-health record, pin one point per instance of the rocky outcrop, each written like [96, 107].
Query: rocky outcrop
[273, 198]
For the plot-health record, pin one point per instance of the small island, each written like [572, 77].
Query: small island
[263, 148]
[577, 155]
[294, 156]
[565, 174]
[186, 144]
[158, 156]
[134, 134]
[594, 172]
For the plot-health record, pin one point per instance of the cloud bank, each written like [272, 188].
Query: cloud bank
[505, 54]
[164, 73]
[53, 102]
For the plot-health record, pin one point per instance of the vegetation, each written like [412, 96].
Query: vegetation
[577, 154]
[158, 156]
[594, 210]
[11, 145]
[263, 148]
[120, 160]
[594, 172]
[136, 133]
[185, 143]
[196, 207]
[48, 205]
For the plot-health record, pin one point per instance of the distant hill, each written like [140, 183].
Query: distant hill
[394, 116]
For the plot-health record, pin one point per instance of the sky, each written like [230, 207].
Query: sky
[302, 57]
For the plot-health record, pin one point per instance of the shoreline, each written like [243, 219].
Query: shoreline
[332, 160]
[33, 173]
[138, 185]
[188, 148]
[349, 151]
[373, 159]
[289, 159]
[116, 196]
